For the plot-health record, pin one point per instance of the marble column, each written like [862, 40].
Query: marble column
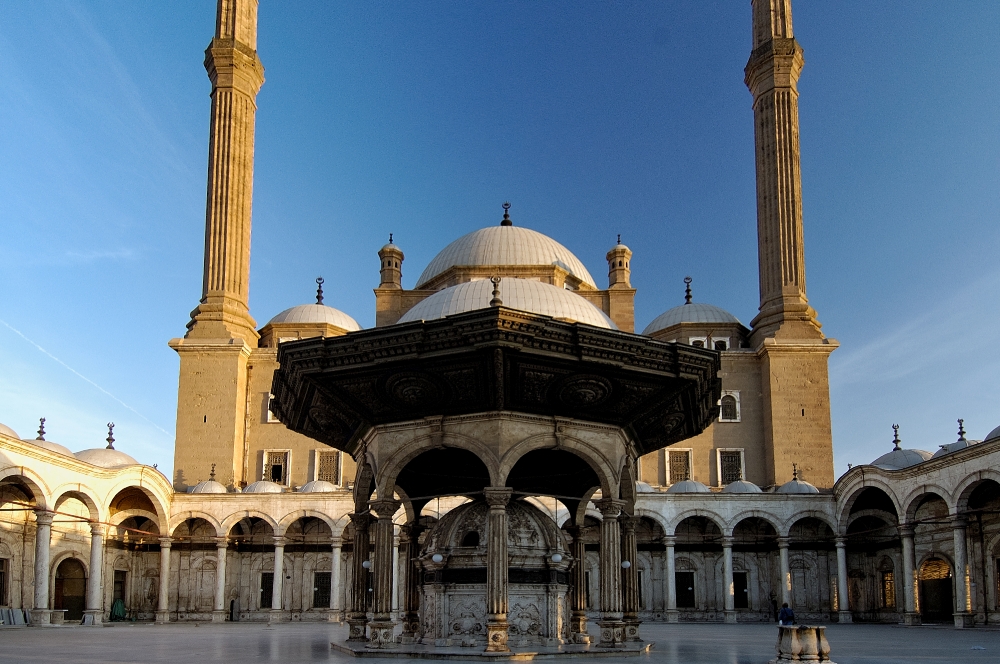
[395, 574]
[219, 609]
[672, 615]
[335, 607]
[578, 581]
[910, 615]
[963, 609]
[843, 599]
[786, 572]
[163, 596]
[411, 592]
[95, 584]
[496, 568]
[727, 579]
[279, 579]
[612, 627]
[382, 625]
[357, 615]
[630, 578]
[40, 614]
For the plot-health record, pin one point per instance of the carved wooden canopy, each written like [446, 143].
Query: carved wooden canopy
[334, 389]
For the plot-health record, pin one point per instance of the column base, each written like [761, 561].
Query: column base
[93, 617]
[41, 617]
[911, 619]
[578, 624]
[162, 617]
[844, 617]
[381, 634]
[963, 620]
[356, 628]
[220, 615]
[673, 616]
[632, 630]
[612, 633]
[496, 636]
[730, 617]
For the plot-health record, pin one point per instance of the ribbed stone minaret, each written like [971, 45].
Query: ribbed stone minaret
[236, 74]
[786, 334]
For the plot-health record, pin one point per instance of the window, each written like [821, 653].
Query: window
[684, 587]
[729, 406]
[119, 585]
[698, 342]
[266, 590]
[328, 466]
[888, 591]
[730, 466]
[321, 590]
[270, 417]
[720, 344]
[3, 581]
[678, 465]
[276, 466]
[471, 538]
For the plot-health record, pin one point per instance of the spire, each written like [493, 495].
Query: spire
[619, 238]
[111, 436]
[687, 290]
[236, 74]
[390, 238]
[506, 215]
[211, 475]
[961, 430]
[496, 301]
[319, 290]
[895, 438]
[795, 472]
[41, 429]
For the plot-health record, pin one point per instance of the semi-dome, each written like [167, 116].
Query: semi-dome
[522, 294]
[795, 485]
[899, 458]
[318, 486]
[7, 431]
[505, 245]
[741, 486]
[208, 486]
[106, 458]
[688, 486]
[317, 313]
[693, 312]
[263, 486]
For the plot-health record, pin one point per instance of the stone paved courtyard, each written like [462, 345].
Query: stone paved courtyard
[290, 643]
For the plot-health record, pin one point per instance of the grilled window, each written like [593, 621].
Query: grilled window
[321, 590]
[3, 581]
[721, 344]
[729, 407]
[276, 466]
[730, 466]
[888, 591]
[266, 589]
[680, 466]
[328, 466]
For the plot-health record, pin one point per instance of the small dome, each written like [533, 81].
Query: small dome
[263, 486]
[208, 486]
[505, 245]
[642, 487]
[688, 486]
[49, 445]
[390, 247]
[521, 294]
[992, 435]
[901, 458]
[317, 313]
[695, 312]
[7, 431]
[318, 486]
[106, 458]
[741, 486]
[796, 485]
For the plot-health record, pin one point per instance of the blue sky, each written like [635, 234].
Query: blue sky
[593, 119]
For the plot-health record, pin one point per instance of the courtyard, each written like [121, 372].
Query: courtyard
[291, 643]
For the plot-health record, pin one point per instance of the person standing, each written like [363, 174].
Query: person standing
[786, 616]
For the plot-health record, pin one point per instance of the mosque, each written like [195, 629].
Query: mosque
[503, 460]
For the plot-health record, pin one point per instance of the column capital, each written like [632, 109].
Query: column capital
[385, 508]
[783, 542]
[279, 541]
[669, 540]
[221, 542]
[727, 542]
[906, 530]
[628, 523]
[841, 542]
[610, 508]
[336, 542]
[497, 496]
[165, 542]
[98, 529]
[361, 519]
[43, 518]
[959, 522]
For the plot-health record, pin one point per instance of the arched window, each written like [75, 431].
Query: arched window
[698, 343]
[471, 538]
[729, 411]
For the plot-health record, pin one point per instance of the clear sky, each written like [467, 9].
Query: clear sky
[420, 119]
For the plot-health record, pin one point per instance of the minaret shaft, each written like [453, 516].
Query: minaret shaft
[236, 74]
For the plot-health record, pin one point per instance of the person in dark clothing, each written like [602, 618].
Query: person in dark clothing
[786, 616]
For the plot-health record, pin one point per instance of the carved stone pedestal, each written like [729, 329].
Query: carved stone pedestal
[612, 633]
[496, 636]
[632, 630]
[801, 643]
[356, 628]
[380, 634]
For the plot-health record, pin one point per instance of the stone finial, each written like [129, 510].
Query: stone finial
[211, 475]
[795, 472]
[506, 215]
[496, 301]
[619, 238]
[41, 429]
[895, 437]
[390, 238]
[319, 290]
[111, 436]
[961, 430]
[687, 290]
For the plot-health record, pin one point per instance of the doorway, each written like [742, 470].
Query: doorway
[684, 585]
[71, 588]
[936, 603]
[741, 591]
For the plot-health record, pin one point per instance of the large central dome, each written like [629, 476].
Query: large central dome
[505, 245]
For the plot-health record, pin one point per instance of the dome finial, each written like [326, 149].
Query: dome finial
[211, 475]
[319, 290]
[496, 301]
[41, 429]
[506, 215]
[895, 437]
[390, 238]
[687, 290]
[795, 472]
[961, 429]
[619, 238]
[111, 436]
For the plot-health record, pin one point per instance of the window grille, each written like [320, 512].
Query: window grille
[728, 410]
[3, 581]
[321, 590]
[328, 466]
[276, 467]
[888, 590]
[680, 466]
[266, 590]
[730, 466]
[934, 568]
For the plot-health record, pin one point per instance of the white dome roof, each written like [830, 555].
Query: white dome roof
[317, 313]
[7, 431]
[521, 294]
[901, 458]
[263, 486]
[992, 435]
[741, 486]
[688, 486]
[505, 245]
[208, 486]
[318, 486]
[696, 312]
[49, 445]
[797, 486]
[643, 487]
[106, 458]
